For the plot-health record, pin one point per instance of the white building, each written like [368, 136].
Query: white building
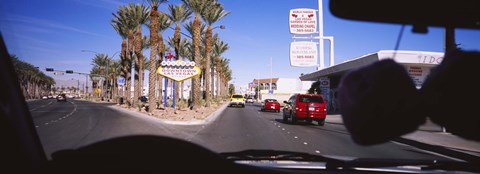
[417, 63]
[282, 88]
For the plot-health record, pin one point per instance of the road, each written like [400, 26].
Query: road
[75, 123]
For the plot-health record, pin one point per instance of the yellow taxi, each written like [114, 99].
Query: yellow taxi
[237, 100]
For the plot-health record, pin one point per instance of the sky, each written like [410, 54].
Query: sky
[52, 33]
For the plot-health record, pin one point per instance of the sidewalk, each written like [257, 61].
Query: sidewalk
[432, 134]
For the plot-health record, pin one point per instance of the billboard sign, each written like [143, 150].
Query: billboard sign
[302, 21]
[178, 70]
[303, 54]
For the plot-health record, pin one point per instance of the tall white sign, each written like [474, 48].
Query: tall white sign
[303, 54]
[303, 21]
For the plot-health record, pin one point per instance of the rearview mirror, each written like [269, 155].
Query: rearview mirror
[450, 13]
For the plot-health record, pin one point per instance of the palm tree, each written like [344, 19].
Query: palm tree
[32, 81]
[99, 63]
[114, 69]
[178, 14]
[225, 76]
[185, 52]
[198, 7]
[164, 22]
[218, 49]
[121, 29]
[123, 17]
[211, 16]
[139, 16]
[153, 50]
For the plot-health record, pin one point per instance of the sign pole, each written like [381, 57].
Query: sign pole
[165, 93]
[173, 93]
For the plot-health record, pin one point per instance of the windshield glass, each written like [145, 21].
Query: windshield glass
[270, 100]
[125, 68]
[312, 99]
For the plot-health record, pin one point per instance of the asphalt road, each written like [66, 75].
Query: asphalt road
[75, 123]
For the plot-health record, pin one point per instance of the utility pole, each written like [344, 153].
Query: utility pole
[320, 34]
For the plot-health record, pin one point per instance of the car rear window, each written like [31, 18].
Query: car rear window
[311, 99]
[237, 96]
[271, 100]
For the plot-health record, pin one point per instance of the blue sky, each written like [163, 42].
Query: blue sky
[51, 33]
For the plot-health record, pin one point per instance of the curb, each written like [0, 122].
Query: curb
[212, 117]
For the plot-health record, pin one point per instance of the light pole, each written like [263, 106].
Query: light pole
[106, 74]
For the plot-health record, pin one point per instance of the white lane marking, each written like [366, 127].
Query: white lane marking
[41, 106]
[283, 128]
[278, 126]
[305, 143]
[68, 115]
[295, 137]
[288, 132]
[317, 151]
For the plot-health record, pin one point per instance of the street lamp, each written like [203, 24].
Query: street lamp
[106, 74]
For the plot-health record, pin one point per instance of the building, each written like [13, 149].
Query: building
[281, 88]
[417, 63]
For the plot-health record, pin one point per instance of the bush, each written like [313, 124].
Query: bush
[182, 104]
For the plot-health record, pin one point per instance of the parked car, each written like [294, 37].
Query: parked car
[249, 100]
[50, 97]
[307, 107]
[44, 97]
[237, 100]
[270, 105]
[61, 97]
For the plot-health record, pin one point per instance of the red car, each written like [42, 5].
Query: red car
[271, 105]
[307, 107]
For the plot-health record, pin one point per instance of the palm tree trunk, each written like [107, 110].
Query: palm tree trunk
[208, 50]
[139, 63]
[124, 62]
[129, 63]
[196, 93]
[176, 45]
[153, 58]
[212, 82]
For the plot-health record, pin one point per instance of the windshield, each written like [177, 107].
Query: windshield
[270, 100]
[312, 99]
[125, 68]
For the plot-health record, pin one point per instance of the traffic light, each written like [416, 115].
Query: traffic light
[69, 71]
[49, 69]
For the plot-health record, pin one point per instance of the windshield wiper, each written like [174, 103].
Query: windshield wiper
[281, 155]
[422, 164]
[351, 164]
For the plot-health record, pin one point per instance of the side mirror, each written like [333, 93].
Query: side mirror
[286, 102]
